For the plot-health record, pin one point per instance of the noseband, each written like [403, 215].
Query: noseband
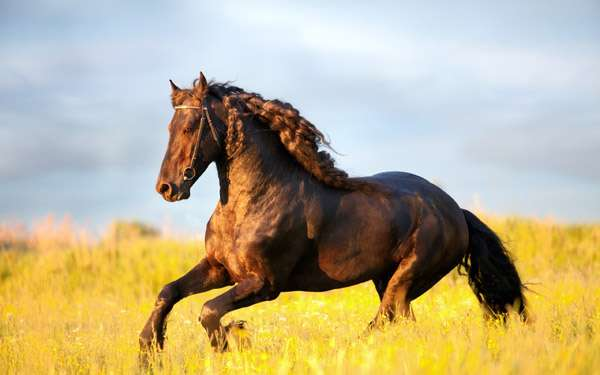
[189, 173]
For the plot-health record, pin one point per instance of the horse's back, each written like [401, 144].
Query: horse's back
[412, 190]
[404, 183]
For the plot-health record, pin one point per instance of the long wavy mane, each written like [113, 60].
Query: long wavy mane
[299, 136]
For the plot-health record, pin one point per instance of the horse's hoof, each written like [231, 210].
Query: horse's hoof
[373, 326]
[152, 344]
[235, 325]
[144, 360]
[146, 344]
[220, 346]
[146, 355]
[238, 336]
[236, 331]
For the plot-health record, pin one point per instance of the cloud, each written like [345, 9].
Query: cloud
[78, 107]
[352, 47]
[67, 146]
[565, 146]
[507, 86]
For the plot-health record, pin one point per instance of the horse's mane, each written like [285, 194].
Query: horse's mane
[299, 136]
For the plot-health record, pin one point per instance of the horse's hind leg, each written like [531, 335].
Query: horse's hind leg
[201, 278]
[394, 301]
[381, 282]
[380, 285]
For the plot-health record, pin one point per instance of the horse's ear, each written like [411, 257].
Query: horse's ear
[201, 85]
[174, 87]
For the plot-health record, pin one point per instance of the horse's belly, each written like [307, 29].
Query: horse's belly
[359, 247]
[331, 268]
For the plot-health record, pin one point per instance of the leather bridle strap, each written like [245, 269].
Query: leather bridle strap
[189, 173]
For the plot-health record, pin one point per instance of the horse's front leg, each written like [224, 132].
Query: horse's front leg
[245, 293]
[201, 278]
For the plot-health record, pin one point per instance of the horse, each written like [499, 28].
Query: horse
[288, 219]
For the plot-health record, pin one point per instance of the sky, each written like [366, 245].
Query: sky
[499, 104]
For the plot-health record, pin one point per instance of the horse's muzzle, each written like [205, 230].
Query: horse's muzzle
[171, 193]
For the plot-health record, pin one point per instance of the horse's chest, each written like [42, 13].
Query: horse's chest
[243, 244]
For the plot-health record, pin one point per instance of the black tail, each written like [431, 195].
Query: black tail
[492, 274]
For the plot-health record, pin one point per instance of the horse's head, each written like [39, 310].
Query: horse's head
[195, 139]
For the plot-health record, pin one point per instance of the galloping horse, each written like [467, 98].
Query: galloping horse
[288, 220]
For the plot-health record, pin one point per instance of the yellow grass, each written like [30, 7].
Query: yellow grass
[78, 309]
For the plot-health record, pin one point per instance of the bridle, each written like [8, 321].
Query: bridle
[189, 173]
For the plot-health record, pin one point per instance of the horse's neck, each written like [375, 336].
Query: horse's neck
[263, 167]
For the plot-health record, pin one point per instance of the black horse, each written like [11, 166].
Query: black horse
[288, 219]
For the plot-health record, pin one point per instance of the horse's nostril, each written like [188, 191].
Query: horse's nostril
[164, 188]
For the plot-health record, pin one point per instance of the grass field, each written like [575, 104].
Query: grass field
[69, 307]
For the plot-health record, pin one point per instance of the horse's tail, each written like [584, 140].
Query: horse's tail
[491, 271]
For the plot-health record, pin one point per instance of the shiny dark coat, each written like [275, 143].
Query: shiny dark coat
[280, 227]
